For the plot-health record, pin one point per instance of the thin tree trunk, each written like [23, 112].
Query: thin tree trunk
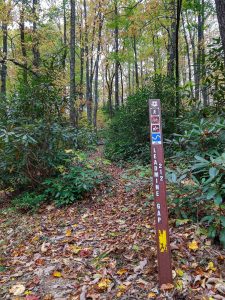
[203, 67]
[192, 40]
[4, 63]
[81, 66]
[136, 62]
[116, 33]
[129, 79]
[22, 40]
[220, 8]
[179, 8]
[172, 42]
[121, 82]
[88, 96]
[35, 48]
[73, 118]
[97, 70]
[188, 57]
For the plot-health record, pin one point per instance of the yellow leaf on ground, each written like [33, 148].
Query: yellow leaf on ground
[193, 245]
[121, 272]
[75, 249]
[179, 284]
[57, 274]
[122, 289]
[151, 295]
[68, 232]
[180, 272]
[104, 284]
[211, 267]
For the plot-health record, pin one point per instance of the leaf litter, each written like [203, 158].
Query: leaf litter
[103, 248]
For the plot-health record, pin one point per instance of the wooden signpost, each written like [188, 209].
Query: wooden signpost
[159, 187]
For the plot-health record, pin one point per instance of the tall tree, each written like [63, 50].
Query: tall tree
[116, 33]
[22, 39]
[35, 48]
[73, 117]
[220, 8]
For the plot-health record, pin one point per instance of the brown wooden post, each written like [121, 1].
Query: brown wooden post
[159, 187]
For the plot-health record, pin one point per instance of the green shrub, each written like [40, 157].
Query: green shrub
[197, 136]
[28, 201]
[72, 185]
[127, 137]
[32, 152]
[199, 193]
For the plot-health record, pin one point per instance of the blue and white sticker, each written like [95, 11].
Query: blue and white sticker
[156, 138]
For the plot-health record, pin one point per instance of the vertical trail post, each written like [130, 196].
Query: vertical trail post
[159, 187]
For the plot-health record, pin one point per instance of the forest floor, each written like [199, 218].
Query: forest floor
[103, 248]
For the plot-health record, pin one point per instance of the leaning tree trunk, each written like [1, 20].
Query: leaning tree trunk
[220, 8]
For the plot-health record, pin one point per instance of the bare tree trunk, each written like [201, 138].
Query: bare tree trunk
[4, 63]
[220, 8]
[136, 62]
[22, 40]
[121, 82]
[35, 48]
[192, 40]
[97, 70]
[188, 57]
[73, 119]
[109, 82]
[64, 37]
[179, 8]
[116, 33]
[88, 96]
[172, 42]
[129, 79]
[203, 67]
[81, 66]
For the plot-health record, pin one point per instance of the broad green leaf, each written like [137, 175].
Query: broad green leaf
[218, 200]
[213, 172]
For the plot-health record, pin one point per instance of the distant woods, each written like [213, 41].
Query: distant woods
[100, 52]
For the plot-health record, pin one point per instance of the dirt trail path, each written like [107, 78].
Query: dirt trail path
[100, 248]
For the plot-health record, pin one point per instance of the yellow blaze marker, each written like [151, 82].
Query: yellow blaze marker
[163, 241]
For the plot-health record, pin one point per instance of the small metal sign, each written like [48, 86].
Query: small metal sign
[159, 187]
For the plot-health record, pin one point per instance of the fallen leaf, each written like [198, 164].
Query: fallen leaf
[220, 287]
[211, 267]
[193, 245]
[17, 290]
[151, 295]
[85, 252]
[75, 249]
[104, 284]
[68, 232]
[180, 272]
[44, 247]
[57, 274]
[122, 272]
